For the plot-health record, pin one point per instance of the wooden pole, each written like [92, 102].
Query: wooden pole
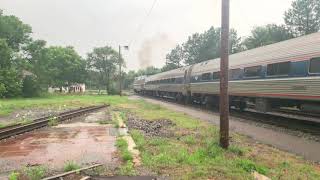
[120, 79]
[224, 69]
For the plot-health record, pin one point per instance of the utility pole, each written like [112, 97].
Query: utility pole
[224, 71]
[120, 65]
[120, 78]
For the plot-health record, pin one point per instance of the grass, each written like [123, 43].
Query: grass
[53, 121]
[193, 152]
[127, 168]
[7, 106]
[70, 166]
[14, 175]
[35, 172]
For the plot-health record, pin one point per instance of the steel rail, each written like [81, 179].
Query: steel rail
[42, 122]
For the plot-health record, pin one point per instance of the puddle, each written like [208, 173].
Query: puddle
[84, 143]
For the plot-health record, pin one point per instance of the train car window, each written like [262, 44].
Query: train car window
[254, 71]
[314, 65]
[206, 77]
[216, 75]
[235, 73]
[276, 69]
[195, 78]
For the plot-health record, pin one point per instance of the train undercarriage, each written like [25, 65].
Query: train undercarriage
[259, 104]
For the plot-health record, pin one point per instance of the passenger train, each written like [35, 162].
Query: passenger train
[285, 74]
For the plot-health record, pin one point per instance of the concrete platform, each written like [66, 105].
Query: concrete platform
[84, 143]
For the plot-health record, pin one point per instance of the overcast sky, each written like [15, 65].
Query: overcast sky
[86, 24]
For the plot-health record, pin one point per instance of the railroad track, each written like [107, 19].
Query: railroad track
[13, 130]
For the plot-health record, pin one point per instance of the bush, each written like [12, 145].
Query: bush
[35, 173]
[11, 83]
[30, 87]
[70, 166]
[14, 176]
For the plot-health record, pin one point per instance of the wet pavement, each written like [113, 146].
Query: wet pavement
[83, 143]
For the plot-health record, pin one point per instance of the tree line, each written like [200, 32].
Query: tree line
[302, 18]
[28, 66]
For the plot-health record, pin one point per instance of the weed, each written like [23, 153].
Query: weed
[35, 173]
[237, 150]
[121, 143]
[53, 121]
[25, 121]
[127, 169]
[102, 122]
[14, 175]
[138, 139]
[2, 125]
[123, 116]
[190, 140]
[123, 147]
[250, 166]
[70, 166]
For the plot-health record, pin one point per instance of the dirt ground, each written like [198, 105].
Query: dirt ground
[281, 140]
[81, 140]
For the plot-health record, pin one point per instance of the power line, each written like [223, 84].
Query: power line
[139, 29]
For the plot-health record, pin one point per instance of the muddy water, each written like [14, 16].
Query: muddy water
[84, 143]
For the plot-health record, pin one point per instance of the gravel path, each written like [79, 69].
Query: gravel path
[307, 148]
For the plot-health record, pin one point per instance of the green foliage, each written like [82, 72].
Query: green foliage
[5, 54]
[35, 172]
[14, 175]
[11, 83]
[237, 150]
[128, 167]
[123, 147]
[104, 61]
[151, 70]
[190, 140]
[174, 59]
[53, 121]
[14, 31]
[199, 48]
[250, 166]
[30, 87]
[64, 65]
[265, 35]
[303, 17]
[70, 166]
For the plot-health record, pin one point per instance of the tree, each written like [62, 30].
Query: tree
[14, 31]
[151, 70]
[265, 35]
[303, 17]
[63, 66]
[5, 55]
[104, 60]
[206, 46]
[10, 83]
[174, 59]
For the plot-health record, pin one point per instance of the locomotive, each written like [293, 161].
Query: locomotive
[281, 75]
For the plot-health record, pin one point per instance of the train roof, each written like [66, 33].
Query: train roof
[168, 74]
[301, 48]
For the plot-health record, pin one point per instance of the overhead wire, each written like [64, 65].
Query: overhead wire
[140, 27]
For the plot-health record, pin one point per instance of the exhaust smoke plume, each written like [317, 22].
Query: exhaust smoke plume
[153, 51]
